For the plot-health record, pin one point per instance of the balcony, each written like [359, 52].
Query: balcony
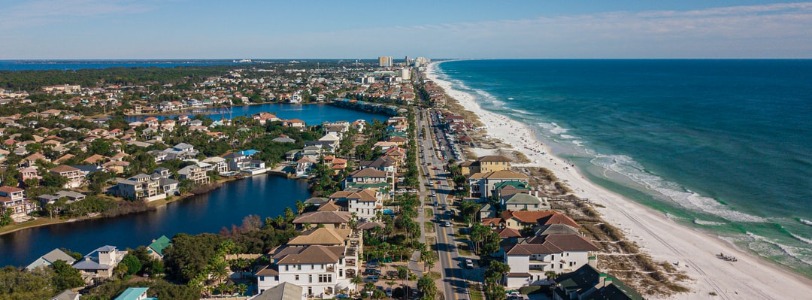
[331, 269]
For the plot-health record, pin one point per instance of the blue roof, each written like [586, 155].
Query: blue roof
[132, 293]
[249, 152]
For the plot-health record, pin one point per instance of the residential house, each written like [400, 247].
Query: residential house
[485, 164]
[282, 291]
[522, 201]
[139, 187]
[194, 173]
[530, 219]
[14, 198]
[365, 204]
[283, 139]
[321, 271]
[217, 164]
[329, 219]
[588, 283]
[157, 247]
[73, 175]
[365, 176]
[100, 262]
[265, 117]
[134, 293]
[304, 165]
[295, 123]
[532, 259]
[50, 258]
[482, 184]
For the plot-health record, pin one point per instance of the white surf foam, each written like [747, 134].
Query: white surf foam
[627, 167]
[800, 254]
[805, 222]
[708, 223]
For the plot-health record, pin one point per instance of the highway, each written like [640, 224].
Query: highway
[454, 286]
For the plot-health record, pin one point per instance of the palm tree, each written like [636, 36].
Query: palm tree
[357, 280]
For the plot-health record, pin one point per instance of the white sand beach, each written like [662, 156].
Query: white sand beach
[749, 278]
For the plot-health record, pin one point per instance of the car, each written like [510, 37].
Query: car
[449, 213]
[469, 263]
[446, 224]
[388, 292]
[371, 279]
[435, 203]
[372, 272]
[372, 264]
[438, 182]
[444, 207]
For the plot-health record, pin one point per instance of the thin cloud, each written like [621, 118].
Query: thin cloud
[44, 12]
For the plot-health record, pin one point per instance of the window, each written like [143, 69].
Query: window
[325, 278]
[310, 278]
[340, 272]
[310, 290]
[276, 278]
[298, 267]
[286, 267]
[261, 278]
[322, 266]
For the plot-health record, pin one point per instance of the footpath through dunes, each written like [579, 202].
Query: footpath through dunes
[664, 239]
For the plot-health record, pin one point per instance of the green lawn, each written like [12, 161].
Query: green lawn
[429, 227]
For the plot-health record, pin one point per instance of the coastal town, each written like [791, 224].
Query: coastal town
[401, 207]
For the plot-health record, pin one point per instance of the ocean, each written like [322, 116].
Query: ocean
[724, 146]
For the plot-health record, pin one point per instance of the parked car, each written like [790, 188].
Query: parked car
[372, 264]
[469, 263]
[388, 292]
[447, 224]
[372, 272]
[371, 279]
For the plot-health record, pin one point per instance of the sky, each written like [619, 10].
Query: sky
[186, 29]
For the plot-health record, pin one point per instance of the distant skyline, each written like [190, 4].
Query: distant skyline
[185, 29]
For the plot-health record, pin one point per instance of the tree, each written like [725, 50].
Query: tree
[5, 217]
[133, 264]
[189, 255]
[427, 287]
[493, 276]
[53, 180]
[490, 243]
[356, 280]
[23, 285]
[66, 277]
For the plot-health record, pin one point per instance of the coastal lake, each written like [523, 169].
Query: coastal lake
[263, 195]
[311, 114]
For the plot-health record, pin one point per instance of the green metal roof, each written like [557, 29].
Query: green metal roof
[132, 293]
[160, 244]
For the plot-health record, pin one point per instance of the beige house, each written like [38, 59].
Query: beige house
[74, 176]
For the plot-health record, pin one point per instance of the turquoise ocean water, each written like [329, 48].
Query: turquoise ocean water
[721, 145]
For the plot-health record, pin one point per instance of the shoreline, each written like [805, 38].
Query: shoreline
[664, 239]
[150, 207]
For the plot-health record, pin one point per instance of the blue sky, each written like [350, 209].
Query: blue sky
[120, 29]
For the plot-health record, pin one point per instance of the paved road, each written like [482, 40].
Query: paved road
[454, 286]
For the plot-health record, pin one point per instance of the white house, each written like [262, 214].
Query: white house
[321, 271]
[531, 259]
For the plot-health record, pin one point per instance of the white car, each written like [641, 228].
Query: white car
[469, 263]
[446, 224]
